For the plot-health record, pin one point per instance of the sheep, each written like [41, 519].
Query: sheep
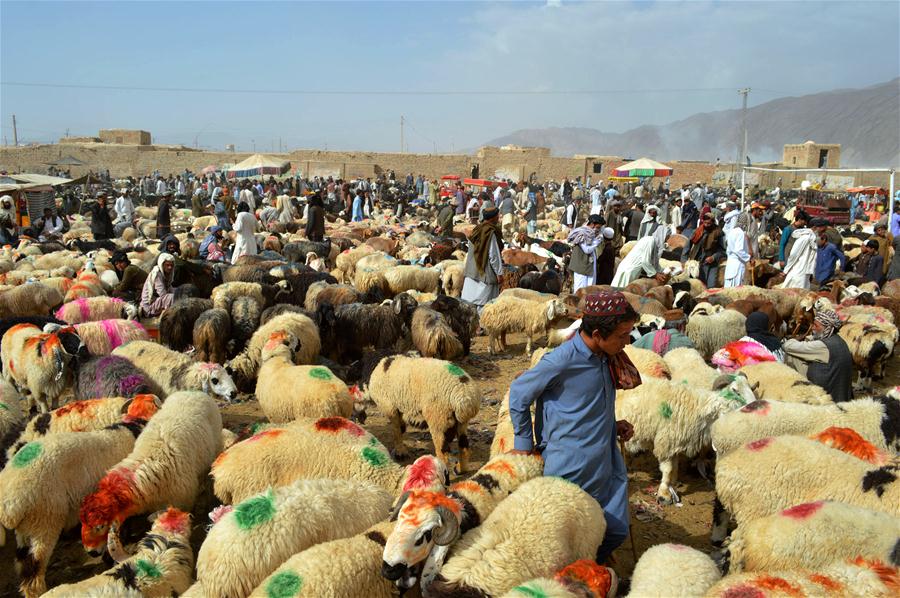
[225, 294]
[876, 419]
[332, 447]
[346, 261]
[432, 336]
[245, 314]
[462, 318]
[246, 364]
[95, 308]
[34, 299]
[812, 535]
[171, 455]
[808, 470]
[857, 577]
[86, 416]
[411, 278]
[428, 392]
[519, 315]
[785, 300]
[452, 278]
[428, 526]
[865, 313]
[176, 324]
[87, 285]
[347, 329]
[260, 533]
[171, 371]
[688, 367]
[42, 486]
[871, 346]
[12, 420]
[160, 567]
[673, 570]
[336, 294]
[286, 391]
[673, 419]
[522, 539]
[778, 382]
[101, 337]
[582, 579]
[43, 376]
[648, 363]
[212, 331]
[710, 329]
[110, 376]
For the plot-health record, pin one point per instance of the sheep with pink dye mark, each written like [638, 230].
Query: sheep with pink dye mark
[111, 376]
[101, 337]
[93, 309]
[739, 353]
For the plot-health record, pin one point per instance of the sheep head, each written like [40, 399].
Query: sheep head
[555, 309]
[129, 311]
[735, 389]
[110, 504]
[425, 519]
[217, 382]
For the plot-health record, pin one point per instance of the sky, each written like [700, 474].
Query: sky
[213, 73]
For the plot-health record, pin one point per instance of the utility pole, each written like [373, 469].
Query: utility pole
[15, 132]
[401, 131]
[744, 92]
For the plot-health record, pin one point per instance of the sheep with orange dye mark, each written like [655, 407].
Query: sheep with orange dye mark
[581, 579]
[687, 573]
[858, 578]
[87, 285]
[426, 530]
[813, 535]
[165, 467]
[332, 447]
[42, 486]
[160, 567]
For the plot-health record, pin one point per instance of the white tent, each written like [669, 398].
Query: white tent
[256, 165]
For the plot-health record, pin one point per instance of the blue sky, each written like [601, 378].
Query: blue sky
[708, 48]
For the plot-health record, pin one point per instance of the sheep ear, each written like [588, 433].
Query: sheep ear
[551, 310]
[448, 531]
[398, 306]
[395, 512]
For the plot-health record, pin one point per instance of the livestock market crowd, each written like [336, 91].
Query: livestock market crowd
[746, 348]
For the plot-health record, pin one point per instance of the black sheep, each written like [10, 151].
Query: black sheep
[296, 251]
[346, 330]
[176, 325]
[462, 319]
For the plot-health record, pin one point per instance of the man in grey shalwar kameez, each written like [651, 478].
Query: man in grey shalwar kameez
[483, 269]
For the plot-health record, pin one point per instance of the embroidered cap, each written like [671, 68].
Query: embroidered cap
[607, 303]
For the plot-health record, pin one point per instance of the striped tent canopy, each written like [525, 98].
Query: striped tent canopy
[643, 167]
[256, 165]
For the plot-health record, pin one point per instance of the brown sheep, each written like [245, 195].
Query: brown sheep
[752, 304]
[517, 257]
[891, 289]
[641, 286]
[663, 294]
[212, 330]
[389, 246]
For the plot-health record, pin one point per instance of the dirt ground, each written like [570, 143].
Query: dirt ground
[687, 523]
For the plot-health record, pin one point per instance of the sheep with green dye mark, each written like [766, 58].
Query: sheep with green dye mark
[42, 486]
[673, 419]
[286, 391]
[248, 543]
[775, 381]
[420, 392]
[332, 447]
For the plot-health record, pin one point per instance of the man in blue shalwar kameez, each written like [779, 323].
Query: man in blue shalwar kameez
[574, 388]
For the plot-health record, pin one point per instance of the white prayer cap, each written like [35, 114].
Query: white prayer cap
[608, 233]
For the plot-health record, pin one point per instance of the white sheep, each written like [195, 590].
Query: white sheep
[423, 391]
[411, 278]
[511, 314]
[688, 367]
[523, 539]
[101, 337]
[673, 419]
[582, 579]
[775, 381]
[873, 418]
[286, 391]
[246, 364]
[165, 467]
[711, 328]
[225, 294]
[160, 567]
[33, 299]
[42, 486]
[648, 363]
[871, 345]
[171, 371]
[346, 261]
[452, 277]
[332, 447]
[93, 309]
[673, 571]
[812, 535]
[258, 534]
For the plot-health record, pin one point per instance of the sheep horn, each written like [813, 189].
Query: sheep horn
[114, 545]
[395, 512]
[448, 531]
[722, 381]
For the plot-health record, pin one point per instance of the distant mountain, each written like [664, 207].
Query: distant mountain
[866, 122]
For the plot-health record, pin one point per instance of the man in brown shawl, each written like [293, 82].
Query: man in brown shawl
[483, 269]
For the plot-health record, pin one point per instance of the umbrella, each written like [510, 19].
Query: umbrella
[209, 169]
[258, 164]
[643, 167]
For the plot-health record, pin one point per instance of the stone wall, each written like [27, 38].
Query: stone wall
[806, 155]
[125, 136]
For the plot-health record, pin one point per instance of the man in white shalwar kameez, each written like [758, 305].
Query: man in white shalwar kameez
[643, 259]
[801, 263]
[737, 250]
[245, 227]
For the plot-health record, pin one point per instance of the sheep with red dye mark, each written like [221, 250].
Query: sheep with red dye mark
[86, 416]
[876, 419]
[673, 570]
[110, 376]
[426, 529]
[421, 391]
[775, 381]
[87, 285]
[333, 447]
[857, 577]
[42, 486]
[261, 532]
[94, 309]
[286, 391]
[812, 535]
[807, 471]
[101, 337]
[160, 567]
[739, 353]
[171, 371]
[522, 539]
[581, 579]
[39, 364]
[672, 419]
[165, 467]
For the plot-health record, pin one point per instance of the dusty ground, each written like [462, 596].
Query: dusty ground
[688, 523]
